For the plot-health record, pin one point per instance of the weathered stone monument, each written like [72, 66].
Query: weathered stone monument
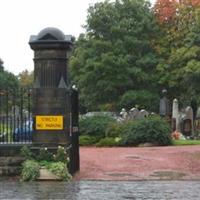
[175, 116]
[197, 120]
[143, 114]
[188, 122]
[124, 114]
[133, 114]
[182, 120]
[51, 103]
[164, 108]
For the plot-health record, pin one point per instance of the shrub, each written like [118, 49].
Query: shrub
[30, 170]
[61, 155]
[108, 142]
[114, 130]
[150, 130]
[118, 129]
[95, 126]
[60, 169]
[57, 164]
[26, 152]
[44, 154]
[86, 140]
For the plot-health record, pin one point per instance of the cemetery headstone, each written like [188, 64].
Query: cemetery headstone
[164, 108]
[143, 114]
[175, 116]
[124, 114]
[133, 113]
[197, 120]
[188, 128]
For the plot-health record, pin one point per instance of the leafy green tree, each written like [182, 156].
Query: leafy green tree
[1, 65]
[179, 50]
[141, 99]
[7, 79]
[26, 78]
[116, 53]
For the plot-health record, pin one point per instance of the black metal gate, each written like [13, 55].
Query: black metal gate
[16, 125]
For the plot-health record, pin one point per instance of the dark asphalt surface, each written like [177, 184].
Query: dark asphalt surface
[101, 190]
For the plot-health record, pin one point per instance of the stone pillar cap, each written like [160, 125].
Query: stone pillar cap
[49, 35]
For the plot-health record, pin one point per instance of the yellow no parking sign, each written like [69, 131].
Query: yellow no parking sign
[49, 122]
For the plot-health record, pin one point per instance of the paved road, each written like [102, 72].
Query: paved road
[101, 190]
[149, 163]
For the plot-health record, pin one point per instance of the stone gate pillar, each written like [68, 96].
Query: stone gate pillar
[51, 103]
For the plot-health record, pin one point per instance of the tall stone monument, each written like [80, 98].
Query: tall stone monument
[175, 116]
[51, 103]
[164, 108]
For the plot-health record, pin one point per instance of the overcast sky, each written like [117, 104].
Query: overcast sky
[21, 18]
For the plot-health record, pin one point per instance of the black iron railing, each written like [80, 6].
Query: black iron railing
[16, 123]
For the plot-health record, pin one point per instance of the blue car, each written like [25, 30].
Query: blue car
[23, 133]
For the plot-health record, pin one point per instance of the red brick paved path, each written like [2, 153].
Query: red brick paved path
[147, 163]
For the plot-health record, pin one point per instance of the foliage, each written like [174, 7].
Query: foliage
[95, 126]
[30, 170]
[60, 169]
[86, 140]
[61, 155]
[115, 54]
[26, 153]
[179, 49]
[186, 142]
[165, 10]
[25, 78]
[1, 65]
[56, 163]
[8, 80]
[142, 98]
[114, 130]
[108, 142]
[44, 154]
[107, 107]
[150, 130]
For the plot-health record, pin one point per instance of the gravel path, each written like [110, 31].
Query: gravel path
[147, 163]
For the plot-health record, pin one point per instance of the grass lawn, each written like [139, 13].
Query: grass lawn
[186, 142]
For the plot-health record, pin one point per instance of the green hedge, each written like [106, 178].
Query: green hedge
[108, 142]
[150, 130]
[115, 129]
[95, 125]
[86, 140]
